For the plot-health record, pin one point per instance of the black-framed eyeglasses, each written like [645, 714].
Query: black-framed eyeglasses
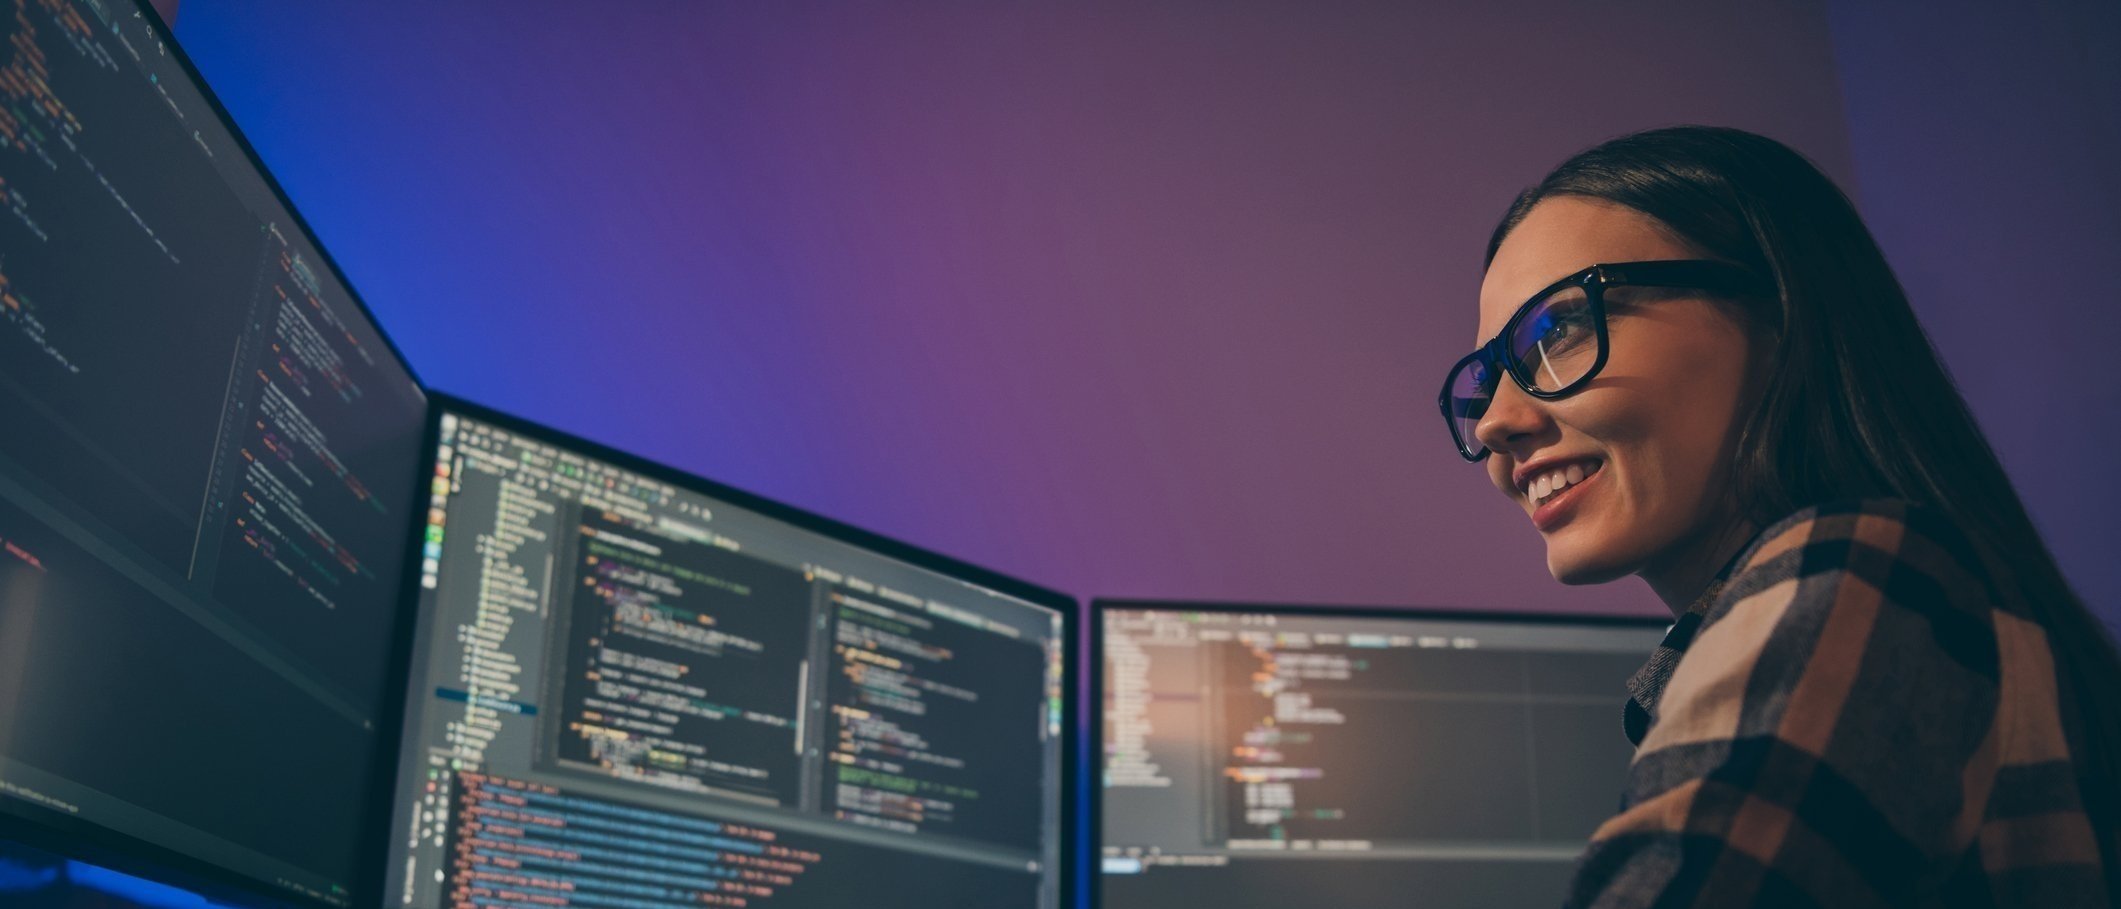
[1556, 341]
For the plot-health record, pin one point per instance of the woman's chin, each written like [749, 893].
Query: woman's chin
[1579, 568]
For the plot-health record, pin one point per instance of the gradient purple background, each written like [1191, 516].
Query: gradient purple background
[1987, 139]
[1145, 299]
[1138, 299]
[1127, 299]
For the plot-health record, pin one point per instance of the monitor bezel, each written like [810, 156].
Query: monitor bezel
[1093, 706]
[1067, 607]
[86, 841]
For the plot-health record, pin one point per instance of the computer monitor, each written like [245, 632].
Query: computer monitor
[631, 687]
[209, 476]
[1295, 756]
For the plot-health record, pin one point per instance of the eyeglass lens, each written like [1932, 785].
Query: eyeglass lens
[1556, 343]
[1472, 386]
[1554, 346]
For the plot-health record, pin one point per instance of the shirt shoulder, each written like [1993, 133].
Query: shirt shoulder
[1869, 554]
[1860, 718]
[1865, 554]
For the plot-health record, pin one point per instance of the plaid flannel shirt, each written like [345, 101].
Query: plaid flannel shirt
[1852, 716]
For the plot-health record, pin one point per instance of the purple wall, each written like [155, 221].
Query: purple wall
[1987, 144]
[1129, 299]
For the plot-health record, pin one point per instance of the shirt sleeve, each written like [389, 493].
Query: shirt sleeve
[1826, 738]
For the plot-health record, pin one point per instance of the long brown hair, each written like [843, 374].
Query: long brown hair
[1857, 404]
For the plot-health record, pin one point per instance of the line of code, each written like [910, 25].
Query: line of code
[687, 662]
[913, 686]
[520, 844]
[1274, 734]
[34, 118]
[289, 463]
[21, 314]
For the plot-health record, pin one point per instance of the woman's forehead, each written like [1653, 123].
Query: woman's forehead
[1563, 235]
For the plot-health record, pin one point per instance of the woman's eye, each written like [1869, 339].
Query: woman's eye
[1564, 329]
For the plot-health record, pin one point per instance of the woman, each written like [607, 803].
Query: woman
[1879, 689]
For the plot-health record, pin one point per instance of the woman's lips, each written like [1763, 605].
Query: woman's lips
[1557, 510]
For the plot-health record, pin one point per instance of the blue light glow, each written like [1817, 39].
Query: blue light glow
[125, 886]
[19, 877]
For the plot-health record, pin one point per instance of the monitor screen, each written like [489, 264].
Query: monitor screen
[209, 467]
[1264, 756]
[634, 688]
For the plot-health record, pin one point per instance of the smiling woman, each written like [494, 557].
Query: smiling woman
[1879, 689]
[1651, 442]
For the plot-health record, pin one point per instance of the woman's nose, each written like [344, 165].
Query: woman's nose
[1514, 420]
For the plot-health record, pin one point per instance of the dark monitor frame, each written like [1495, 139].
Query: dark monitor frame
[1093, 707]
[85, 841]
[1061, 604]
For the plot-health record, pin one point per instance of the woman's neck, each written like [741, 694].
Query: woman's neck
[1682, 574]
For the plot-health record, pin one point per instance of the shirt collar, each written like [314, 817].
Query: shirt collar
[1646, 686]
